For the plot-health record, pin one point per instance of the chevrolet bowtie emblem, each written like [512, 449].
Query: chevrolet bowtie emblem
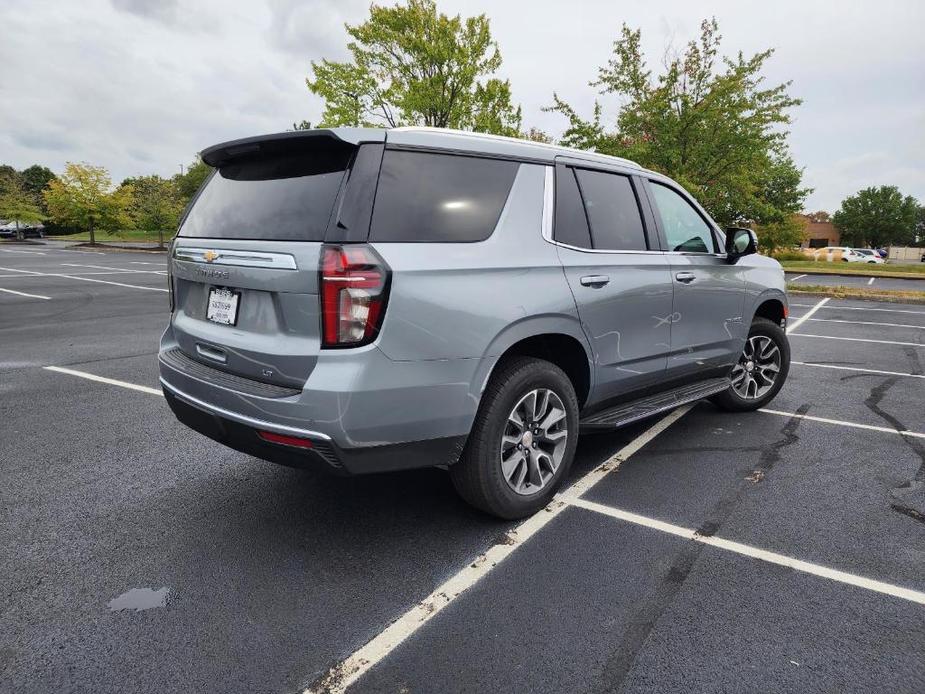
[209, 256]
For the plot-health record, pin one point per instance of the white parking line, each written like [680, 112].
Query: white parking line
[85, 279]
[798, 277]
[140, 262]
[757, 553]
[70, 274]
[865, 322]
[871, 280]
[864, 308]
[339, 678]
[802, 319]
[853, 368]
[119, 269]
[862, 339]
[31, 296]
[103, 379]
[10, 250]
[842, 423]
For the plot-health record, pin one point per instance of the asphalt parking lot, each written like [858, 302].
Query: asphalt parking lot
[829, 280]
[774, 551]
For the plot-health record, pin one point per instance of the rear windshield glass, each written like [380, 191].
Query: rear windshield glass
[439, 197]
[275, 199]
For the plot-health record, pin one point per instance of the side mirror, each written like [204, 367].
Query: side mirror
[740, 242]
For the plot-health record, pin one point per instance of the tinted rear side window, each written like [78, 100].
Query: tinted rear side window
[439, 197]
[613, 212]
[277, 199]
[571, 222]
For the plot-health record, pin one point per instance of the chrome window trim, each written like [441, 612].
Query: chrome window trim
[549, 197]
[240, 418]
[275, 261]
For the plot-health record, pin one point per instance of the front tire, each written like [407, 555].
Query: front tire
[522, 442]
[761, 370]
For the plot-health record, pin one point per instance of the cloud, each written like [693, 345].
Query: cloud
[161, 10]
[140, 86]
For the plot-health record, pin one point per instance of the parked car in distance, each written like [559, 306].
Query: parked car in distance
[868, 255]
[8, 229]
[370, 300]
[837, 254]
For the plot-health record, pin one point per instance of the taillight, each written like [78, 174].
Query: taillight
[354, 290]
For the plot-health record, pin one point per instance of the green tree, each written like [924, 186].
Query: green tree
[819, 216]
[35, 178]
[708, 122]
[156, 204]
[18, 205]
[876, 217]
[83, 196]
[414, 66]
[786, 233]
[189, 182]
[536, 135]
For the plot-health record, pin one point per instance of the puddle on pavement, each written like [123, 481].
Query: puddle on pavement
[139, 599]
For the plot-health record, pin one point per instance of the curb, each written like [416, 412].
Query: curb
[856, 296]
[836, 273]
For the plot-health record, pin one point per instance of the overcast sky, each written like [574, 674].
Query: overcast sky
[140, 86]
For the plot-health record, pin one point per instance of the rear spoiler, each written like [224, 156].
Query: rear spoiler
[332, 139]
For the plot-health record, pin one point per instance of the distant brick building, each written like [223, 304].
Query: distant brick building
[819, 234]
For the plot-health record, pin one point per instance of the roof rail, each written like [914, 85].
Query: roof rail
[517, 140]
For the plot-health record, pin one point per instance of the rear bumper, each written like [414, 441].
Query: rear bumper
[240, 434]
[363, 412]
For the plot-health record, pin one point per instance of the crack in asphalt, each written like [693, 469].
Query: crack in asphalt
[644, 619]
[915, 485]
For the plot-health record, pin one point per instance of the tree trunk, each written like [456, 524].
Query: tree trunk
[160, 238]
[19, 235]
[92, 237]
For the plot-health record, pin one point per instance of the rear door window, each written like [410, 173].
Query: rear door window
[427, 197]
[685, 230]
[613, 211]
[280, 198]
[571, 222]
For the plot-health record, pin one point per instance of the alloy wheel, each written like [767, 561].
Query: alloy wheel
[533, 441]
[757, 369]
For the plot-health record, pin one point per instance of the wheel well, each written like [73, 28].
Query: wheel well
[772, 309]
[562, 350]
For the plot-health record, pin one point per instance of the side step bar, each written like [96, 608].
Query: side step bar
[628, 412]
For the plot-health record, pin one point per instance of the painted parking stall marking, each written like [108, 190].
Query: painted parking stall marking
[340, 677]
[854, 368]
[31, 296]
[802, 319]
[84, 279]
[756, 553]
[103, 379]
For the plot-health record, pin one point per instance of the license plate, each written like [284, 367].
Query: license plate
[223, 306]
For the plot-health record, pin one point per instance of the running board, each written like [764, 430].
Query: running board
[628, 412]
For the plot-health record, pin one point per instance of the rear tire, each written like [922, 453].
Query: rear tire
[750, 389]
[511, 470]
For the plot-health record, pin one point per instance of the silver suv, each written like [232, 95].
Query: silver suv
[372, 300]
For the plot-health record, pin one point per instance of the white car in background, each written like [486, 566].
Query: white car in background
[868, 255]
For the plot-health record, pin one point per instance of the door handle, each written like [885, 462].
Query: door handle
[595, 281]
[685, 277]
